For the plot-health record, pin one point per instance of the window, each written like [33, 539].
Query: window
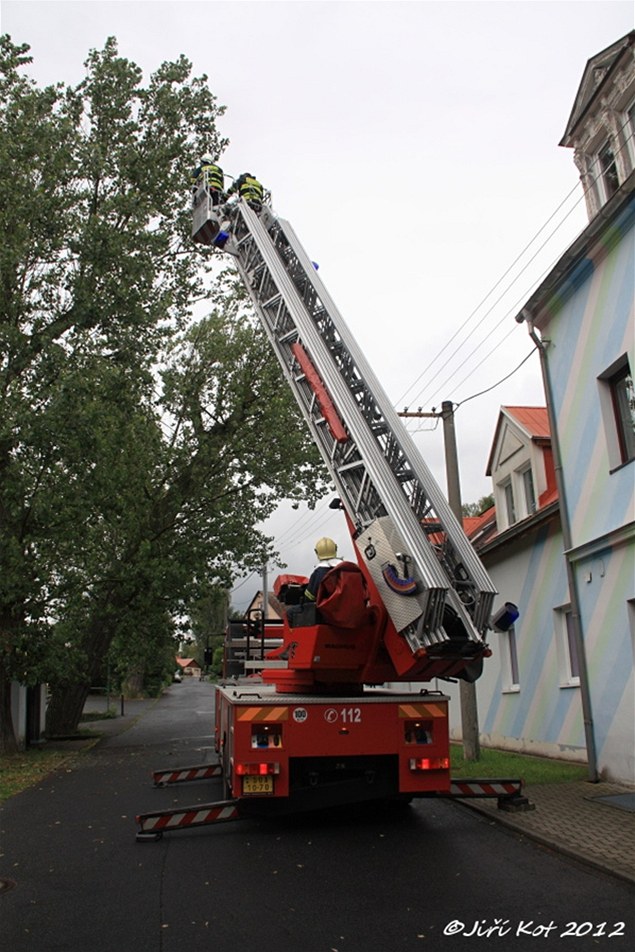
[572, 648]
[617, 402]
[510, 507]
[528, 488]
[608, 171]
[566, 648]
[630, 134]
[509, 661]
[623, 396]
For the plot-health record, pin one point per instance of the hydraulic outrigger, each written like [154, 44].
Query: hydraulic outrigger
[152, 825]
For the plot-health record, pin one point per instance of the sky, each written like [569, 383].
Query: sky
[413, 146]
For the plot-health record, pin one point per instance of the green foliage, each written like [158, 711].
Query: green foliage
[478, 508]
[217, 662]
[138, 447]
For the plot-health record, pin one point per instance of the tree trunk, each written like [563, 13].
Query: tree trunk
[65, 709]
[8, 739]
[133, 683]
[67, 701]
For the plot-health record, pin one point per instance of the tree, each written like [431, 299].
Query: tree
[222, 470]
[135, 454]
[478, 508]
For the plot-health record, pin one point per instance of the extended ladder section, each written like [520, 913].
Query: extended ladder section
[410, 540]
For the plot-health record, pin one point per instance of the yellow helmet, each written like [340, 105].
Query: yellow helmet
[325, 548]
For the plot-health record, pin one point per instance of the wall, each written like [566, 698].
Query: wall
[540, 716]
[589, 324]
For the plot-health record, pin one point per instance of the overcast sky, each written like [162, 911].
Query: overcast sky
[414, 148]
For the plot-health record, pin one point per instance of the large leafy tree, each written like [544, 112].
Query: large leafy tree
[138, 448]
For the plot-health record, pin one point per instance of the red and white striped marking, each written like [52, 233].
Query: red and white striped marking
[201, 772]
[202, 815]
[485, 788]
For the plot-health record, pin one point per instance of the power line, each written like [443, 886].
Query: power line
[304, 521]
[489, 293]
[426, 388]
[235, 588]
[505, 316]
[499, 382]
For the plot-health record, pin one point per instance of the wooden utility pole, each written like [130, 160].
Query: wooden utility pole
[469, 711]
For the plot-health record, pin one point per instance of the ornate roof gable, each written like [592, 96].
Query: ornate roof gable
[595, 74]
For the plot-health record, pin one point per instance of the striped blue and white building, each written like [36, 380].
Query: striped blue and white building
[561, 542]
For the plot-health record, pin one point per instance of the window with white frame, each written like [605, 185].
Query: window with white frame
[608, 171]
[566, 648]
[510, 505]
[516, 496]
[510, 675]
[528, 490]
[617, 398]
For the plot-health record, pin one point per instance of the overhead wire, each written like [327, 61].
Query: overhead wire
[484, 299]
[286, 537]
[419, 397]
[422, 395]
[501, 321]
[498, 382]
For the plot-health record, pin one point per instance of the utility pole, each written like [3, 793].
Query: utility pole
[265, 593]
[469, 712]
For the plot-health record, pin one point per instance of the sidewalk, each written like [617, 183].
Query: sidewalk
[591, 822]
[101, 726]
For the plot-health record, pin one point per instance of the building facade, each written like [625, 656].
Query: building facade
[563, 684]
[583, 318]
[529, 692]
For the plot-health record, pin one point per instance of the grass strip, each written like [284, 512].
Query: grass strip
[28, 768]
[509, 765]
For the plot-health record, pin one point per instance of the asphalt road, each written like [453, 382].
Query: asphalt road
[431, 876]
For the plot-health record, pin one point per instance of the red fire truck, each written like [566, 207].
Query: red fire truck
[345, 708]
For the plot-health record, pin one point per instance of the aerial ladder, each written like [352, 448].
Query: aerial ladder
[428, 597]
[432, 583]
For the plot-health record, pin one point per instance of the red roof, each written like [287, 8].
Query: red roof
[535, 420]
[186, 662]
[478, 527]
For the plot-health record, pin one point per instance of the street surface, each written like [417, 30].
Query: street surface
[431, 876]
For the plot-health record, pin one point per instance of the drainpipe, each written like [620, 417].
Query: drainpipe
[576, 618]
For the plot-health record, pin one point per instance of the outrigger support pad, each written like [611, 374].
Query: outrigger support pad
[515, 804]
[148, 837]
[508, 792]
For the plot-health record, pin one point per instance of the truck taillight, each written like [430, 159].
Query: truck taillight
[257, 770]
[429, 763]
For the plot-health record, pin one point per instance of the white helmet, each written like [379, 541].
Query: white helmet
[207, 158]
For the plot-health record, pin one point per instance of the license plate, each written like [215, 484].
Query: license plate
[257, 786]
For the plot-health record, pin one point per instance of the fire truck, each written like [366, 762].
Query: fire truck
[345, 707]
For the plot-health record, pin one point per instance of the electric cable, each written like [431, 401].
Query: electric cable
[489, 293]
[585, 189]
[499, 382]
[420, 396]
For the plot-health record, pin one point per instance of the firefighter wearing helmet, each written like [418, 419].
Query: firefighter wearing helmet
[326, 551]
[249, 189]
[215, 178]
